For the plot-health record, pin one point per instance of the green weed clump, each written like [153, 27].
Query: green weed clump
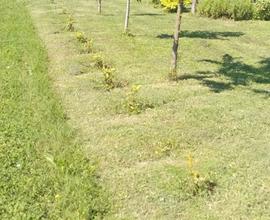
[108, 73]
[262, 10]
[132, 103]
[44, 174]
[98, 61]
[232, 9]
[164, 148]
[80, 36]
[198, 183]
[87, 43]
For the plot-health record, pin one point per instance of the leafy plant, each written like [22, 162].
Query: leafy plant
[262, 10]
[98, 61]
[108, 74]
[88, 46]
[200, 184]
[132, 103]
[81, 37]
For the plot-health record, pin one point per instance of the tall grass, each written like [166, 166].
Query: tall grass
[232, 9]
[44, 173]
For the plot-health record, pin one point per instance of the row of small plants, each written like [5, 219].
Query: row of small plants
[132, 103]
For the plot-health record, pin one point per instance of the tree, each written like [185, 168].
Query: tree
[173, 72]
[99, 6]
[194, 6]
[128, 15]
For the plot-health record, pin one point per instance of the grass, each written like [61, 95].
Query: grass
[217, 111]
[44, 173]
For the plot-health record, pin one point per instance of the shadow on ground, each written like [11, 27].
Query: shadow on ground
[235, 73]
[148, 14]
[204, 35]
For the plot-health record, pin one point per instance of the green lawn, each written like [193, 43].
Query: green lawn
[43, 172]
[217, 111]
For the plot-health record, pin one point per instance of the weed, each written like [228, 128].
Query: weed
[108, 74]
[133, 104]
[98, 61]
[199, 184]
[87, 43]
[81, 37]
[70, 24]
[165, 148]
[88, 46]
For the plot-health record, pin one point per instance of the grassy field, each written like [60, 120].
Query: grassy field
[217, 113]
[43, 172]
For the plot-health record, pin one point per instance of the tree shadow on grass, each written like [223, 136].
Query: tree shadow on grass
[235, 73]
[204, 35]
[266, 93]
[148, 14]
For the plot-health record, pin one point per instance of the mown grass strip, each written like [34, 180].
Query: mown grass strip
[44, 173]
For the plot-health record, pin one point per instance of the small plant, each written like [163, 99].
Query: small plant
[108, 74]
[132, 104]
[70, 24]
[88, 46]
[200, 184]
[165, 148]
[98, 61]
[81, 37]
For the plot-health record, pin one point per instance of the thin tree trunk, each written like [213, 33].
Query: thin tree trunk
[182, 5]
[176, 40]
[127, 16]
[194, 6]
[99, 6]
